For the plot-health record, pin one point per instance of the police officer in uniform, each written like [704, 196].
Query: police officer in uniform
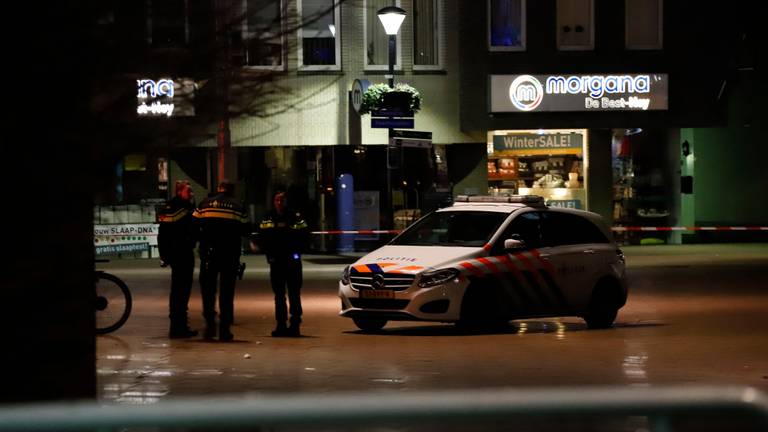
[222, 222]
[176, 242]
[283, 236]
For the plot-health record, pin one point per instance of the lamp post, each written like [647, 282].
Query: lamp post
[391, 18]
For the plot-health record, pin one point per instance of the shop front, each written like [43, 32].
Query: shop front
[549, 163]
[574, 161]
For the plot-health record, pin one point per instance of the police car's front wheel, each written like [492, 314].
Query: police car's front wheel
[603, 306]
[369, 324]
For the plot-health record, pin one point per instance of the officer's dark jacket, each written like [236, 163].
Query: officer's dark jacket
[222, 222]
[280, 237]
[177, 232]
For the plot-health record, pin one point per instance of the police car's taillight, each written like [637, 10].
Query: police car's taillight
[437, 277]
[345, 276]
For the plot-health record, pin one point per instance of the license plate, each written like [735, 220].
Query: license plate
[377, 294]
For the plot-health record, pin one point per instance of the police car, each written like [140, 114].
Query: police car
[487, 260]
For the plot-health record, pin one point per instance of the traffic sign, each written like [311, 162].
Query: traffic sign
[419, 135]
[386, 123]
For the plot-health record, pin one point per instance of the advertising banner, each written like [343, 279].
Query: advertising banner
[165, 97]
[532, 141]
[124, 234]
[114, 249]
[604, 92]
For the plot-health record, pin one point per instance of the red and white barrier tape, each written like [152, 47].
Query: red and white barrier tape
[704, 228]
[358, 232]
[616, 228]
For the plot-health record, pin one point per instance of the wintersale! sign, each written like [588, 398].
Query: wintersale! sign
[540, 93]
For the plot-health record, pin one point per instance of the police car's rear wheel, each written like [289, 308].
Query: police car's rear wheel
[603, 306]
[369, 324]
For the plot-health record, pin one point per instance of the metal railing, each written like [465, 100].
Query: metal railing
[474, 407]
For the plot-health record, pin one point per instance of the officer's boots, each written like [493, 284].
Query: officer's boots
[293, 330]
[280, 331]
[224, 334]
[210, 329]
[181, 331]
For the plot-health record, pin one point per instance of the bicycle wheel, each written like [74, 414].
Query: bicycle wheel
[113, 303]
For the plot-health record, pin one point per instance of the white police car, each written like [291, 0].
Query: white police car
[488, 260]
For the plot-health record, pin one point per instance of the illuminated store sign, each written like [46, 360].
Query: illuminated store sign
[531, 141]
[165, 97]
[536, 93]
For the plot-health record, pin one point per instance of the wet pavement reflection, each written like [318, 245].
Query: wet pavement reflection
[699, 324]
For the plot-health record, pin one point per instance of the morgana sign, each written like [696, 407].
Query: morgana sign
[539, 93]
[165, 97]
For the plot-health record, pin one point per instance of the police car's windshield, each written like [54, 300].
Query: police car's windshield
[452, 228]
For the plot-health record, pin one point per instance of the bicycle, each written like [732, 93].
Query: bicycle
[113, 301]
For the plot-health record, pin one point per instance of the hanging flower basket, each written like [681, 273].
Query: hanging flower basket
[373, 98]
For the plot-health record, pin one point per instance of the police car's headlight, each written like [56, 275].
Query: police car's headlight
[345, 276]
[437, 277]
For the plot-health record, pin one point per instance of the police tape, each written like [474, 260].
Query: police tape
[616, 228]
[681, 228]
[364, 232]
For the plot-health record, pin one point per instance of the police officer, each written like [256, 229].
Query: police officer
[283, 236]
[176, 242]
[222, 222]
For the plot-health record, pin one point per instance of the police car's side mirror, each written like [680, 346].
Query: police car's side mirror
[512, 244]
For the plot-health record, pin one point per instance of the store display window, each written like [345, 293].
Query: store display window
[549, 163]
[641, 179]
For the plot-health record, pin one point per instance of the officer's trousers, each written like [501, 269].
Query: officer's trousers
[224, 269]
[182, 273]
[286, 273]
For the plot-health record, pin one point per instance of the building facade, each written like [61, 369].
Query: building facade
[595, 104]
[629, 97]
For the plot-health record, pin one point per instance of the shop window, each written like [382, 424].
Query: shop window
[167, 23]
[262, 34]
[644, 24]
[427, 34]
[506, 25]
[549, 163]
[641, 192]
[575, 24]
[319, 35]
[376, 40]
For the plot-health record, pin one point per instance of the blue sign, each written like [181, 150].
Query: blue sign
[385, 123]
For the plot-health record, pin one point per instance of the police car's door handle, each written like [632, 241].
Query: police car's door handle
[589, 251]
[545, 256]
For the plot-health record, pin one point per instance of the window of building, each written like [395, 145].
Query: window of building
[262, 34]
[575, 24]
[506, 25]
[376, 40]
[427, 34]
[319, 35]
[167, 23]
[644, 24]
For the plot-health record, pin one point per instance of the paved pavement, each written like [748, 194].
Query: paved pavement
[695, 317]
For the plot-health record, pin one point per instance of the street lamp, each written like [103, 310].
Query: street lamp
[391, 18]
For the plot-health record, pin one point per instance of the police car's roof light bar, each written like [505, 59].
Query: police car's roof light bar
[521, 199]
